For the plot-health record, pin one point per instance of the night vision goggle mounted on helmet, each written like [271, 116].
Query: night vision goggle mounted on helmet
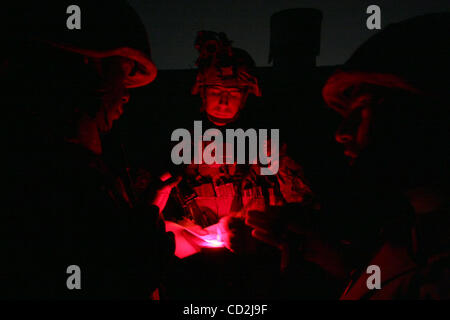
[219, 64]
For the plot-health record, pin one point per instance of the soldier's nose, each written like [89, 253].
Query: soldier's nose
[119, 111]
[224, 99]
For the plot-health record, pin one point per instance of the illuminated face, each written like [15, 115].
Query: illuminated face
[112, 72]
[222, 104]
[387, 136]
[355, 129]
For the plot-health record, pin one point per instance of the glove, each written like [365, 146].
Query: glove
[160, 197]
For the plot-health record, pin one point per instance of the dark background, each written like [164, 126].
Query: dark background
[172, 25]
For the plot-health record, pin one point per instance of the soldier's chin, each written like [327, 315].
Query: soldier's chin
[105, 126]
[219, 121]
[352, 156]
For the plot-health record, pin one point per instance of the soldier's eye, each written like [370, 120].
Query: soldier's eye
[133, 69]
[214, 91]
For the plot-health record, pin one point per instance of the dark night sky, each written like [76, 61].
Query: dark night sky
[172, 24]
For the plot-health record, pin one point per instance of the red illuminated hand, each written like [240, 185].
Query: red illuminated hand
[282, 227]
[295, 231]
[267, 226]
[236, 235]
[161, 195]
[273, 225]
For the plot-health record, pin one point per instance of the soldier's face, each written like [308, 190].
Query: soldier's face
[355, 129]
[114, 95]
[223, 103]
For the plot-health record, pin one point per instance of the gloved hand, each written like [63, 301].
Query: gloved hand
[269, 226]
[296, 230]
[236, 234]
[281, 227]
[160, 197]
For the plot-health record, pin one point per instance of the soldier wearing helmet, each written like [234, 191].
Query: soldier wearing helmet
[66, 89]
[393, 97]
[225, 77]
[224, 193]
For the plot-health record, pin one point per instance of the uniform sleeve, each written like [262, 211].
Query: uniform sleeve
[122, 251]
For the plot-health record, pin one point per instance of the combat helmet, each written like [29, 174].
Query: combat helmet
[411, 55]
[223, 65]
[107, 28]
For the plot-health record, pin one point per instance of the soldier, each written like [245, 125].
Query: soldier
[225, 79]
[217, 197]
[67, 88]
[393, 96]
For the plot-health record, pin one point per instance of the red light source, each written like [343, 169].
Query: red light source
[190, 240]
[213, 239]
